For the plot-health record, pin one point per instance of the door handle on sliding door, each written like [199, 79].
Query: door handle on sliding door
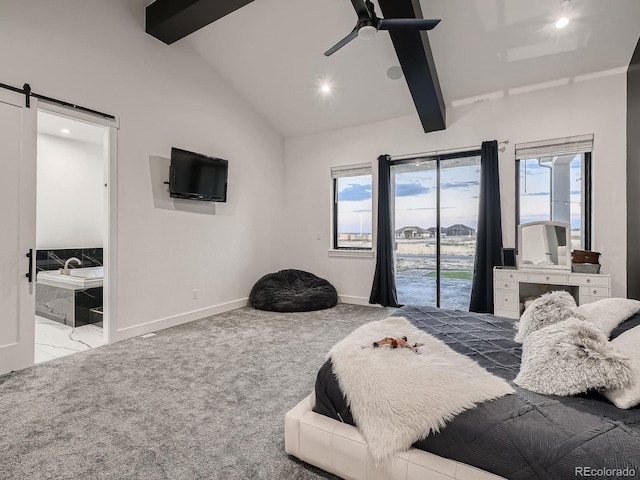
[30, 257]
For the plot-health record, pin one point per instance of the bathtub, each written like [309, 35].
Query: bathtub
[78, 278]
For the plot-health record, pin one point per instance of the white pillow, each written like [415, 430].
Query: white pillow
[629, 396]
[570, 357]
[608, 313]
[550, 308]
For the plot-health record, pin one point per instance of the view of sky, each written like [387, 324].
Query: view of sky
[535, 187]
[415, 198]
[415, 195]
[354, 204]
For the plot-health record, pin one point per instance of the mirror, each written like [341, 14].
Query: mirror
[544, 245]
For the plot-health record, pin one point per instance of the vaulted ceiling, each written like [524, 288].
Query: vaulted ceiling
[271, 51]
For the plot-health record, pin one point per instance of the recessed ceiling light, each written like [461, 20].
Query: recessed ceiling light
[66, 131]
[326, 88]
[565, 7]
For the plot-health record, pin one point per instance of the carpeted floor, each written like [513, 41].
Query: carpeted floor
[205, 400]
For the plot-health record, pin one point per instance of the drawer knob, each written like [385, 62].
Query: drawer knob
[588, 280]
[547, 278]
[595, 292]
[506, 299]
[511, 276]
[506, 285]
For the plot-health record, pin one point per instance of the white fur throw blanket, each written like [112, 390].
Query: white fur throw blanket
[397, 396]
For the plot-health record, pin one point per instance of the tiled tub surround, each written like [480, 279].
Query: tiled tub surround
[52, 259]
[68, 306]
[71, 305]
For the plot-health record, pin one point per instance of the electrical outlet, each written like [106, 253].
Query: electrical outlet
[195, 294]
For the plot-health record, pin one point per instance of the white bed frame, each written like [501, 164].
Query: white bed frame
[339, 448]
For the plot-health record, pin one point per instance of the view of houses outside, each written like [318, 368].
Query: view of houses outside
[415, 190]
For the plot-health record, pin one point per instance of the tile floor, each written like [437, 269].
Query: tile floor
[54, 340]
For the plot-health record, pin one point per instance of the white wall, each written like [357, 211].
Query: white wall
[70, 194]
[595, 106]
[95, 53]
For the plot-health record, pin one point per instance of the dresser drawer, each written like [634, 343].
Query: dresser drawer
[505, 285]
[595, 280]
[511, 275]
[507, 300]
[555, 278]
[594, 292]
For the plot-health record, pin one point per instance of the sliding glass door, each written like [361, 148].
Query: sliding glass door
[416, 204]
[436, 216]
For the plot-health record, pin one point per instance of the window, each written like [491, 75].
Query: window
[352, 207]
[554, 183]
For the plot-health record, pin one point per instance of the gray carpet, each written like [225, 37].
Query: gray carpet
[205, 400]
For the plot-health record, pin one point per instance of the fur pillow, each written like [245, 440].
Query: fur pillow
[608, 313]
[629, 396]
[550, 308]
[571, 357]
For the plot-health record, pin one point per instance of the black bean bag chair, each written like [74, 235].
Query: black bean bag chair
[292, 291]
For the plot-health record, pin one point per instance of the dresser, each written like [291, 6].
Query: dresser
[512, 287]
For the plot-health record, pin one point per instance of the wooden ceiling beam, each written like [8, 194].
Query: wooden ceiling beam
[171, 20]
[416, 60]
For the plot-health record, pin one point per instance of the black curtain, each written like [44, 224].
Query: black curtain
[489, 235]
[384, 281]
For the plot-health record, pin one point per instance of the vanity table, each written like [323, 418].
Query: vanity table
[511, 287]
[544, 265]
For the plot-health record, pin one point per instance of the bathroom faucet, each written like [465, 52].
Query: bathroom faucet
[65, 270]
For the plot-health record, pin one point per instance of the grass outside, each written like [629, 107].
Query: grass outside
[456, 275]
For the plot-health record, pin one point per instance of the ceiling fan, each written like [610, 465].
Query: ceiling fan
[368, 24]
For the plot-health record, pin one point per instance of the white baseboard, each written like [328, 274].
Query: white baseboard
[167, 322]
[356, 300]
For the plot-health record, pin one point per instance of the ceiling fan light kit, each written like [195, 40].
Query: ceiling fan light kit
[367, 32]
[369, 23]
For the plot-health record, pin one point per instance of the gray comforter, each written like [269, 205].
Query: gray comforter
[521, 436]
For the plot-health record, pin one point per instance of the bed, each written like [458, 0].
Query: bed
[516, 437]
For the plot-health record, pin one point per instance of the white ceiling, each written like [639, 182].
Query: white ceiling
[271, 51]
[70, 128]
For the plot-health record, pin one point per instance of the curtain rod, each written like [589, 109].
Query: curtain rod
[437, 152]
[26, 91]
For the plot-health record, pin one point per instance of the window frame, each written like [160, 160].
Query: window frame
[363, 170]
[587, 198]
[437, 158]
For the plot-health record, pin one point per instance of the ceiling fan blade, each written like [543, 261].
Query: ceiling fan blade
[360, 8]
[342, 43]
[407, 24]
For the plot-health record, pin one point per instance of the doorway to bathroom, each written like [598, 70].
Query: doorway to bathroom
[72, 226]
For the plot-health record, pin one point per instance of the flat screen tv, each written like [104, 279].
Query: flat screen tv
[197, 177]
